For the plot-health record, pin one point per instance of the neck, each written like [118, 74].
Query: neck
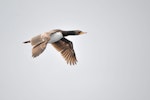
[66, 33]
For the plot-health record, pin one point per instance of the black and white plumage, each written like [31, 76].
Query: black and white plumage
[57, 38]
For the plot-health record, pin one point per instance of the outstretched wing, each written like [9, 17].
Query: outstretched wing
[40, 47]
[65, 47]
[36, 40]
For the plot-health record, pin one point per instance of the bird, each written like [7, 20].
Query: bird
[56, 37]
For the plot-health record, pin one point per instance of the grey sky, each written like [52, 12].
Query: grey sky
[113, 58]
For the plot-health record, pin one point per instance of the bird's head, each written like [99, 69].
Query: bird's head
[79, 32]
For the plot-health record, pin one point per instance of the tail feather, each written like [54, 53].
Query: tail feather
[26, 42]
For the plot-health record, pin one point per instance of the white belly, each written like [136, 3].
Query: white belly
[55, 37]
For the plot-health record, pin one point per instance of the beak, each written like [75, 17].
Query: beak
[83, 33]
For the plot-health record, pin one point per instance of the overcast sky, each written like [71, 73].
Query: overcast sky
[113, 58]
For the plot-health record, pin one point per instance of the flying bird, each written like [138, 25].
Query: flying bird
[57, 38]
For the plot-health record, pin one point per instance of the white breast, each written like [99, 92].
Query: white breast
[55, 37]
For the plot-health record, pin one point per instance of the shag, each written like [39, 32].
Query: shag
[57, 38]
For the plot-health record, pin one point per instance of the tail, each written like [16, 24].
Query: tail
[26, 42]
